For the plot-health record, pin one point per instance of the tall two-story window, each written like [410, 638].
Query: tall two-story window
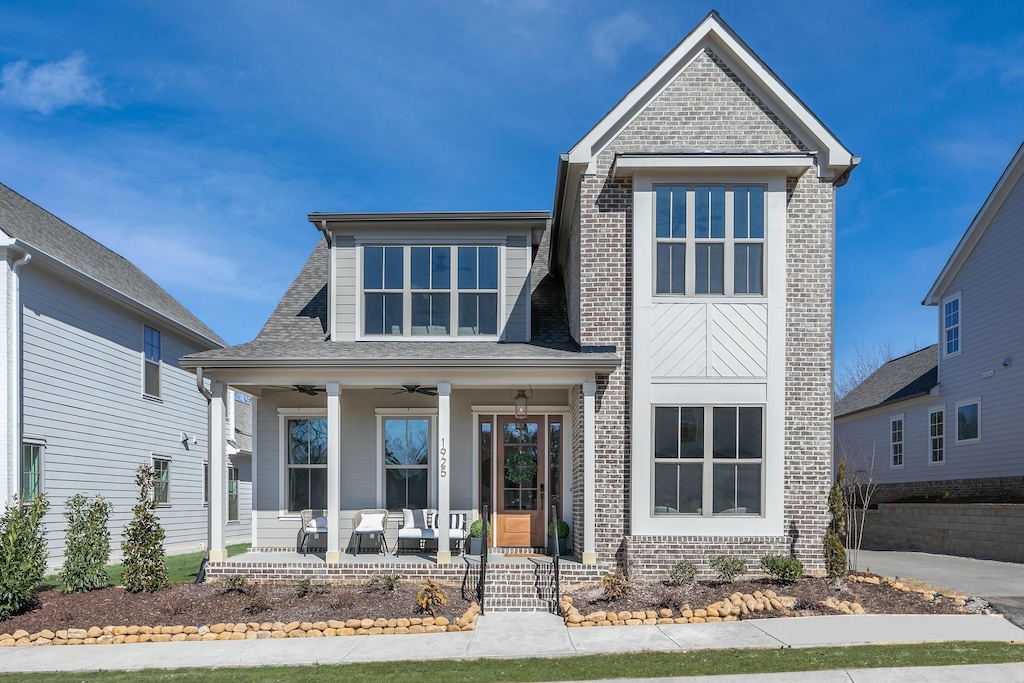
[151, 362]
[896, 442]
[709, 239]
[708, 460]
[951, 325]
[412, 291]
[307, 464]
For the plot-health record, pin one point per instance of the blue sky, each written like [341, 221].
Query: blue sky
[194, 137]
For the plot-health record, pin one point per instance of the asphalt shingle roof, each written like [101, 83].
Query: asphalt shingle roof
[899, 379]
[297, 329]
[40, 229]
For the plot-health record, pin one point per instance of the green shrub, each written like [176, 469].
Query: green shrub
[835, 552]
[236, 583]
[617, 585]
[87, 544]
[563, 529]
[682, 573]
[728, 568]
[782, 567]
[143, 542]
[384, 583]
[22, 554]
[431, 598]
[476, 529]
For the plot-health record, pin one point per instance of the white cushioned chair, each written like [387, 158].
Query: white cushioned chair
[313, 522]
[370, 522]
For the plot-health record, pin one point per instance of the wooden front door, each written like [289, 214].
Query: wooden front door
[519, 503]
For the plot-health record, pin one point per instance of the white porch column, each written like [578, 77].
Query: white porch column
[589, 555]
[333, 472]
[444, 418]
[217, 472]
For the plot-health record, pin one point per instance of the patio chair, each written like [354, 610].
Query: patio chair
[313, 522]
[369, 522]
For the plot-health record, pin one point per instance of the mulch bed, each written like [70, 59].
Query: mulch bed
[205, 604]
[809, 593]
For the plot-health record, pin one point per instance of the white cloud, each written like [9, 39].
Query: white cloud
[613, 36]
[50, 86]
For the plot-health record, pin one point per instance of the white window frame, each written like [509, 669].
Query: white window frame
[147, 362]
[932, 462]
[393, 413]
[901, 444]
[283, 415]
[959, 326]
[29, 442]
[156, 457]
[238, 495]
[453, 290]
[708, 462]
[691, 241]
[206, 483]
[959, 405]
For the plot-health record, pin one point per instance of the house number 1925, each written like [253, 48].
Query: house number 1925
[443, 460]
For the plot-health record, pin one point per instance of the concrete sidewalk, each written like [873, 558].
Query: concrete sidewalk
[519, 635]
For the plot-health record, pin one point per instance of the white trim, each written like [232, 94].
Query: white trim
[283, 414]
[902, 419]
[334, 416]
[626, 164]
[960, 404]
[510, 410]
[332, 290]
[254, 494]
[158, 363]
[945, 436]
[589, 554]
[431, 413]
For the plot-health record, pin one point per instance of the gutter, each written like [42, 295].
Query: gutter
[600, 362]
[844, 177]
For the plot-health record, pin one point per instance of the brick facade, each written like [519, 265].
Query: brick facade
[707, 107]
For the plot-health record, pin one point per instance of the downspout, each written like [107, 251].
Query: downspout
[201, 574]
[14, 392]
[327, 233]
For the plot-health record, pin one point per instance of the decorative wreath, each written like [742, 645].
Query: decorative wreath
[520, 467]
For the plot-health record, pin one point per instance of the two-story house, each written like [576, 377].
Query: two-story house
[944, 422]
[92, 387]
[653, 356]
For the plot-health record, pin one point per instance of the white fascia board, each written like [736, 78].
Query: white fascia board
[714, 33]
[792, 164]
[1011, 176]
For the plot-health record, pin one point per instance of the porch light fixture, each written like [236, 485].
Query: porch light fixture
[521, 405]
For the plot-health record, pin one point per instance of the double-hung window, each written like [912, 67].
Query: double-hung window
[896, 442]
[406, 461]
[162, 481]
[951, 325]
[306, 464]
[708, 460]
[709, 239]
[937, 436]
[151, 362]
[232, 494]
[31, 470]
[412, 291]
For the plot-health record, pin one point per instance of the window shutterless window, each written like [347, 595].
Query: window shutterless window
[708, 460]
[306, 464]
[162, 481]
[968, 422]
[232, 494]
[951, 325]
[709, 239]
[937, 436]
[206, 483]
[896, 442]
[31, 470]
[406, 460]
[151, 362]
[413, 291]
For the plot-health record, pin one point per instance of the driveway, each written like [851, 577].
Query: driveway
[1001, 583]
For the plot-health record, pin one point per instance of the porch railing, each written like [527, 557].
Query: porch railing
[555, 554]
[482, 589]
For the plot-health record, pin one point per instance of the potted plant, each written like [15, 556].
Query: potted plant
[563, 535]
[476, 531]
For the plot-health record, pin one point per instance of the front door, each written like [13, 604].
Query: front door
[520, 476]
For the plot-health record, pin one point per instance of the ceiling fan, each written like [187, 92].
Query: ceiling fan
[417, 389]
[307, 389]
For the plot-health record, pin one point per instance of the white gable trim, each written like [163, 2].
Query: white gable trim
[627, 164]
[833, 158]
[1011, 176]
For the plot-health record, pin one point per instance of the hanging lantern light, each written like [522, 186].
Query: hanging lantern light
[521, 406]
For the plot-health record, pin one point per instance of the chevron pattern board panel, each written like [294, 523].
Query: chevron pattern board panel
[679, 342]
[739, 340]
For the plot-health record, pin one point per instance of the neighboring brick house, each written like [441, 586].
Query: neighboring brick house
[670, 324]
[945, 421]
[92, 388]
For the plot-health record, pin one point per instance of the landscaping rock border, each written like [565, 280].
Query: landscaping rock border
[115, 635]
[738, 604]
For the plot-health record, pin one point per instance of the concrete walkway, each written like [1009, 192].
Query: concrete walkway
[521, 635]
[1001, 583]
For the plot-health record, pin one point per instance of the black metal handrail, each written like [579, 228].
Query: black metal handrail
[482, 590]
[555, 555]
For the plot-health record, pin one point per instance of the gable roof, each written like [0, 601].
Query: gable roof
[898, 380]
[296, 333]
[833, 157]
[40, 233]
[1007, 181]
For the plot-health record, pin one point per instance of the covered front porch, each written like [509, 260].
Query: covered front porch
[447, 440]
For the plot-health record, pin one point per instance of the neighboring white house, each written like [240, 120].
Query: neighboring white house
[91, 383]
[669, 326]
[948, 420]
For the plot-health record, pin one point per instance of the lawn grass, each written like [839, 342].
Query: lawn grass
[640, 665]
[180, 568]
